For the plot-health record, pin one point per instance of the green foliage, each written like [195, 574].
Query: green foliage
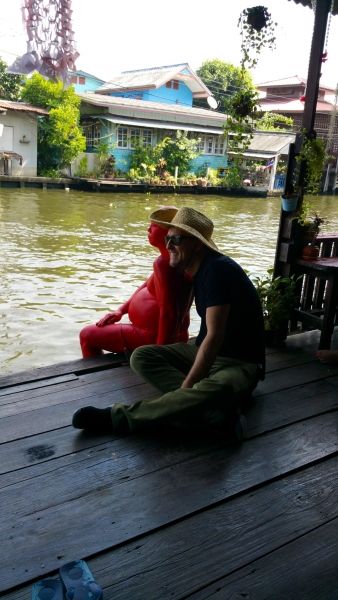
[105, 160]
[178, 151]
[60, 138]
[82, 168]
[161, 160]
[213, 177]
[312, 157]
[224, 80]
[243, 104]
[257, 32]
[270, 121]
[10, 84]
[233, 177]
[278, 298]
[144, 159]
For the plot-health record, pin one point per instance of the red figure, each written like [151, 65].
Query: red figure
[158, 310]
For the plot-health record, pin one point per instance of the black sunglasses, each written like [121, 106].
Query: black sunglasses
[176, 240]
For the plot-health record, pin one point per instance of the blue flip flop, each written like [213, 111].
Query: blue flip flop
[47, 589]
[79, 582]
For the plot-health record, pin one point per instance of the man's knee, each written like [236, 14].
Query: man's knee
[141, 357]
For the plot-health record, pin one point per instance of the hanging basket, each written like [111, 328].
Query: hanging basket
[289, 204]
[257, 17]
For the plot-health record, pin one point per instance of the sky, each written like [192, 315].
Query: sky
[113, 36]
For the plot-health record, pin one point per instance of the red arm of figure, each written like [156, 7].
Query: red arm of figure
[116, 315]
[167, 290]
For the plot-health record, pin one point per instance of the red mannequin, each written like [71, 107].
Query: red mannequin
[158, 310]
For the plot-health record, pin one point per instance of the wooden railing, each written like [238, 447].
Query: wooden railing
[318, 290]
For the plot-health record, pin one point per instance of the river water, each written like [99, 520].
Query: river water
[66, 258]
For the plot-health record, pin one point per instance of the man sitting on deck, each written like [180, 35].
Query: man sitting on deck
[202, 383]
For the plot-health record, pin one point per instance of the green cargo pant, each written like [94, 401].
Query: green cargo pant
[209, 401]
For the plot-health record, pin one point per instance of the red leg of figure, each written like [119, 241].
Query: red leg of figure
[113, 338]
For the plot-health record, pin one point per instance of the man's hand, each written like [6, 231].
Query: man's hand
[110, 318]
[216, 318]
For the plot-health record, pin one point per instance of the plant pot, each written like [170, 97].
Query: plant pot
[289, 204]
[310, 252]
[257, 18]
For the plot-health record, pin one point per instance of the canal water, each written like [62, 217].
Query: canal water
[67, 258]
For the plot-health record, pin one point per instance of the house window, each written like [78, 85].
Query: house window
[219, 145]
[73, 79]
[82, 80]
[209, 145]
[147, 138]
[173, 84]
[91, 131]
[134, 137]
[122, 137]
[201, 144]
[130, 137]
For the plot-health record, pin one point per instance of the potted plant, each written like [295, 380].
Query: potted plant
[278, 297]
[257, 32]
[308, 227]
[312, 158]
[243, 103]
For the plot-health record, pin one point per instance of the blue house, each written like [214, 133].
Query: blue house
[84, 82]
[143, 106]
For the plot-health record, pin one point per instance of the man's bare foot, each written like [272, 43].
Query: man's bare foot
[328, 356]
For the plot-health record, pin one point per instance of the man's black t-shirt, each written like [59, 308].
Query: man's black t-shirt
[220, 280]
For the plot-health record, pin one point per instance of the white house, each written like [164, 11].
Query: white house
[18, 138]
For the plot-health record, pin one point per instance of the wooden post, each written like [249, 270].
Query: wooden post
[322, 11]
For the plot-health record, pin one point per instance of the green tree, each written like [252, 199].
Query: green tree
[171, 152]
[10, 84]
[60, 138]
[224, 80]
[178, 151]
[270, 121]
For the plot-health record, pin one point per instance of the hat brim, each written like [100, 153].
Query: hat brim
[162, 215]
[167, 224]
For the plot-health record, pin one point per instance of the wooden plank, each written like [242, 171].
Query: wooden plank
[39, 420]
[107, 361]
[305, 569]
[212, 550]
[278, 409]
[175, 562]
[284, 379]
[61, 391]
[93, 497]
[34, 385]
[269, 412]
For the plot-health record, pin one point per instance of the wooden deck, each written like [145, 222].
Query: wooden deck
[159, 518]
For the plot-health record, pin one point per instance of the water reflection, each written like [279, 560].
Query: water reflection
[67, 258]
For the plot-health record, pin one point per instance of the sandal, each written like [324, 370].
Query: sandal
[79, 582]
[47, 589]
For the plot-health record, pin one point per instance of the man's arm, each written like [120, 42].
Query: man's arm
[216, 318]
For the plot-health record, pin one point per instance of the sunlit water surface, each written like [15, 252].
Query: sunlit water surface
[69, 257]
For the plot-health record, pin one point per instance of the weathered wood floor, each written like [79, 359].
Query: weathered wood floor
[160, 518]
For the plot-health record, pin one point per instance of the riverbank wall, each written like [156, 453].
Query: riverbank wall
[103, 185]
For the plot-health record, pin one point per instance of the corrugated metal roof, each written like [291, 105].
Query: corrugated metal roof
[160, 125]
[292, 81]
[154, 78]
[11, 105]
[271, 143]
[292, 106]
[143, 110]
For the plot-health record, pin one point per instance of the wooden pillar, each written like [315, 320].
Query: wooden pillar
[284, 259]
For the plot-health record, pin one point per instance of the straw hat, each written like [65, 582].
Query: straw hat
[189, 220]
[164, 213]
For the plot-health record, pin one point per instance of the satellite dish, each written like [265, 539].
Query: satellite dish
[212, 102]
